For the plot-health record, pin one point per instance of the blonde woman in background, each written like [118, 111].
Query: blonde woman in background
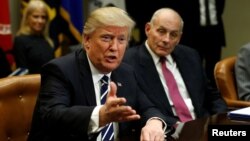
[32, 45]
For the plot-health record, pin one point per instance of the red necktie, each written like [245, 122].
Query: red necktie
[179, 104]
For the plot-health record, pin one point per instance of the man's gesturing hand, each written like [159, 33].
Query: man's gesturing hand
[114, 109]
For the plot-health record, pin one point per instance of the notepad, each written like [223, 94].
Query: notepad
[240, 114]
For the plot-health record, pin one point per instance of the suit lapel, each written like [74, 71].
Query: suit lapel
[152, 82]
[182, 63]
[187, 72]
[86, 80]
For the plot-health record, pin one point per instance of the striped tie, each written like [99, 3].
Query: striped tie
[107, 131]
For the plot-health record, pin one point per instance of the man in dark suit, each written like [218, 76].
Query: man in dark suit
[163, 35]
[5, 69]
[203, 31]
[68, 106]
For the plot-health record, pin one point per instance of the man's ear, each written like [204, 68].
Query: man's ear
[179, 38]
[85, 41]
[147, 28]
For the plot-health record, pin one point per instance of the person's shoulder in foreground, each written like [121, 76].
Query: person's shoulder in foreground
[242, 72]
[69, 103]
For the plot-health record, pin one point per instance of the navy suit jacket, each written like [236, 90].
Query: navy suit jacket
[67, 99]
[205, 101]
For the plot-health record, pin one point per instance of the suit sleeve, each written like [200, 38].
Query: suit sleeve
[55, 104]
[20, 52]
[242, 73]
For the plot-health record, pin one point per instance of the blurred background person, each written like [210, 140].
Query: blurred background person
[32, 45]
[5, 68]
[204, 31]
[242, 72]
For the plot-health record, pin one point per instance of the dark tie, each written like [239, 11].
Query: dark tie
[180, 107]
[107, 131]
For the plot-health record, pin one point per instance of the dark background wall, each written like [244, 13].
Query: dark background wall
[236, 21]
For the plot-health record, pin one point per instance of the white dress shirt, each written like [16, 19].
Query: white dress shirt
[94, 120]
[171, 65]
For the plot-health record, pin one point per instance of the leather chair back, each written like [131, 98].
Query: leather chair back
[225, 80]
[17, 101]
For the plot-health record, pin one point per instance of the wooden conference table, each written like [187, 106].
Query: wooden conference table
[197, 130]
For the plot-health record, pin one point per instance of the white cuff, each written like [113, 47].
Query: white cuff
[163, 122]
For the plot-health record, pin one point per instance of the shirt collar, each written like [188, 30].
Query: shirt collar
[96, 74]
[157, 58]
